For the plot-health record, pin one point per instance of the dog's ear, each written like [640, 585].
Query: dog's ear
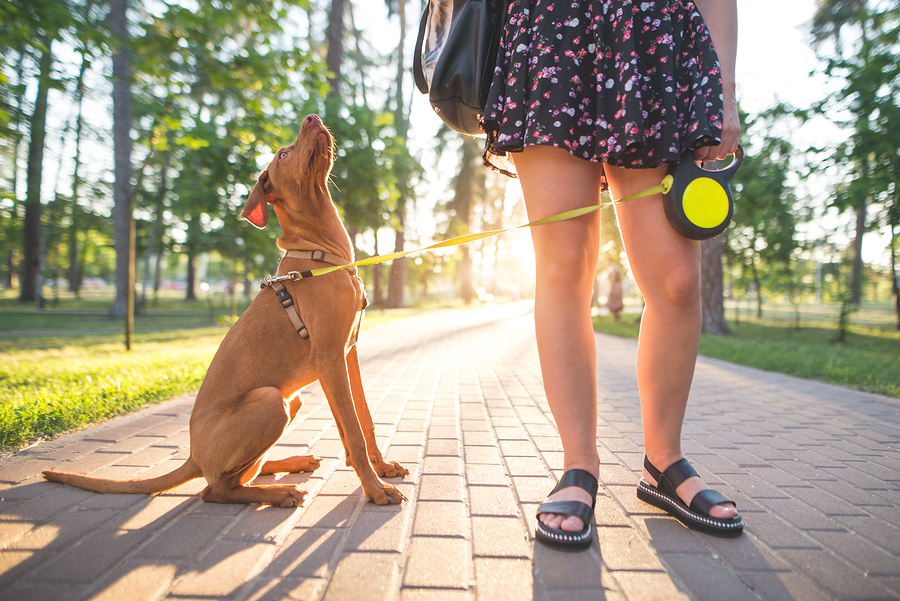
[256, 209]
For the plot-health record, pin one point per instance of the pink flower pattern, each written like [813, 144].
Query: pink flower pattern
[629, 83]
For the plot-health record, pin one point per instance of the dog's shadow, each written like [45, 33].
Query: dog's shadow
[108, 544]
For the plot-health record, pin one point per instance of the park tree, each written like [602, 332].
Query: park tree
[762, 239]
[123, 209]
[857, 42]
[33, 27]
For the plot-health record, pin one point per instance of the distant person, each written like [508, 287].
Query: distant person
[596, 94]
[614, 301]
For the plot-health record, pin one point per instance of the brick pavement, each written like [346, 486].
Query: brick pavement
[457, 398]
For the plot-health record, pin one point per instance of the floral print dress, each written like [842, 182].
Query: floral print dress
[629, 83]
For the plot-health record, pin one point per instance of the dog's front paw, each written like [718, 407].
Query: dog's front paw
[385, 494]
[388, 469]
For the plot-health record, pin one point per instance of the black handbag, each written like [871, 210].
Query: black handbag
[456, 53]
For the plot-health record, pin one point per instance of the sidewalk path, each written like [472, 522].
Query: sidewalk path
[457, 398]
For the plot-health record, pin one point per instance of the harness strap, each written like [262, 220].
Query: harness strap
[284, 296]
[288, 303]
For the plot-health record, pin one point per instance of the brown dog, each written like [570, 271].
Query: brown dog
[251, 392]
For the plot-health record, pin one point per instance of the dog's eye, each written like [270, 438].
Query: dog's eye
[282, 155]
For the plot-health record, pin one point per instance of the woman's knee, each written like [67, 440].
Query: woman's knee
[677, 287]
[565, 266]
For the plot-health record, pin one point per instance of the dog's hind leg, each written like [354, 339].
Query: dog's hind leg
[293, 465]
[234, 446]
[387, 469]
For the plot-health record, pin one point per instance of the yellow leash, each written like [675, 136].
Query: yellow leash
[661, 188]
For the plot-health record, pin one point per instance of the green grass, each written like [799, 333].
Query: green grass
[62, 370]
[868, 360]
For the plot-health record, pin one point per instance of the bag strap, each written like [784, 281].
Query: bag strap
[418, 71]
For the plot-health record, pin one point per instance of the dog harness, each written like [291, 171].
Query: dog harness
[287, 301]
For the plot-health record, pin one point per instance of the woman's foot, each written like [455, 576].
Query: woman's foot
[690, 487]
[566, 519]
[566, 523]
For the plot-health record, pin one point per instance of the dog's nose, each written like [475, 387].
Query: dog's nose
[310, 118]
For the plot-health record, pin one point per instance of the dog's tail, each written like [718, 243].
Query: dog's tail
[188, 471]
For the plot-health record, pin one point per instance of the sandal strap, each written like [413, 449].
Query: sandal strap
[677, 473]
[580, 478]
[576, 508]
[674, 475]
[705, 500]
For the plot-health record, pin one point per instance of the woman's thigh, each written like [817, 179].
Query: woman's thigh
[554, 181]
[665, 265]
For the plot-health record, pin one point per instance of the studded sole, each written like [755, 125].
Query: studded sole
[652, 495]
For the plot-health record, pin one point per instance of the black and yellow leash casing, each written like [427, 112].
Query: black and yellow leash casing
[699, 204]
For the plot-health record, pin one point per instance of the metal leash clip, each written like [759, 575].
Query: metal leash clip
[271, 279]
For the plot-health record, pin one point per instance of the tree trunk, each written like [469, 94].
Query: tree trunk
[895, 282]
[397, 277]
[335, 47]
[31, 230]
[122, 192]
[856, 281]
[712, 290]
[155, 242]
[377, 277]
[759, 301]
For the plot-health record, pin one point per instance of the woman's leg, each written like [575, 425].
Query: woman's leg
[666, 267]
[566, 258]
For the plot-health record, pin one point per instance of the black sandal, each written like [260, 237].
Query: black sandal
[560, 538]
[697, 515]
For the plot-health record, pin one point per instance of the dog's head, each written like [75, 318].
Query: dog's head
[299, 171]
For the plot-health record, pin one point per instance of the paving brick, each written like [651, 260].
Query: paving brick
[440, 518]
[650, 586]
[107, 547]
[137, 581]
[13, 564]
[485, 474]
[499, 537]
[705, 578]
[263, 524]
[442, 465]
[874, 530]
[441, 488]
[825, 502]
[306, 553]
[276, 589]
[379, 529]
[781, 586]
[859, 552]
[833, 575]
[184, 538]
[37, 591]
[23, 470]
[482, 455]
[157, 510]
[503, 579]
[492, 500]
[330, 511]
[435, 594]
[223, 570]
[439, 562]
[667, 535]
[63, 530]
[625, 549]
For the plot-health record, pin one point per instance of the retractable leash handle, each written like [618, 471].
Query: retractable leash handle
[699, 204]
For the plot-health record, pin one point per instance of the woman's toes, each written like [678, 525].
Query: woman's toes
[571, 524]
[723, 512]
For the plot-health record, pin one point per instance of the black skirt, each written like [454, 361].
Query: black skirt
[632, 84]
